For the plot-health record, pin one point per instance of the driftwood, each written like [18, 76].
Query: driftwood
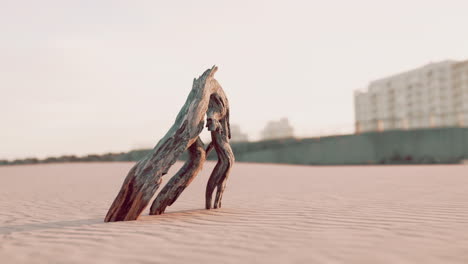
[218, 123]
[145, 177]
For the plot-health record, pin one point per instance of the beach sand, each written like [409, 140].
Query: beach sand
[271, 214]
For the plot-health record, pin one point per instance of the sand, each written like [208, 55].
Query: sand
[272, 214]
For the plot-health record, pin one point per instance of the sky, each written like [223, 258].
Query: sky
[80, 77]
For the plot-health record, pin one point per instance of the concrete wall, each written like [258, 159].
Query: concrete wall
[441, 145]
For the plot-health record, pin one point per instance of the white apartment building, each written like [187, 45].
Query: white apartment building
[435, 95]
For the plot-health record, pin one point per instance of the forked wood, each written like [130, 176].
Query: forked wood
[144, 178]
[218, 123]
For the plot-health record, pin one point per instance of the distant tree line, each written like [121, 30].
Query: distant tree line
[133, 155]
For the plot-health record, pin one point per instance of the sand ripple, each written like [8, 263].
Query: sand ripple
[271, 214]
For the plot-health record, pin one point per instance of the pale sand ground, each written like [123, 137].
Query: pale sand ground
[272, 214]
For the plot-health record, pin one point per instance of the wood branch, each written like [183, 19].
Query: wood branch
[177, 184]
[218, 124]
[144, 178]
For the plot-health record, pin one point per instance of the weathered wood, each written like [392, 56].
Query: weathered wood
[177, 184]
[218, 124]
[144, 178]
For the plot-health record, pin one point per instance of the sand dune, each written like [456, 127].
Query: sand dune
[272, 214]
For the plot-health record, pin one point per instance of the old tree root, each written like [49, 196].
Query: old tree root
[206, 98]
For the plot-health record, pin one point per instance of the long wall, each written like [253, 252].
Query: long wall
[440, 145]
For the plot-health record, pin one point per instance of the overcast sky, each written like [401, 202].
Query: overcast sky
[80, 77]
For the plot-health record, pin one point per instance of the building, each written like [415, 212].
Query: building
[460, 91]
[435, 95]
[278, 129]
[237, 135]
